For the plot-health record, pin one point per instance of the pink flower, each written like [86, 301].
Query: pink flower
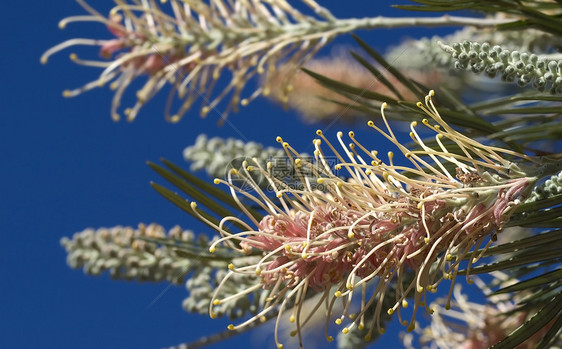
[376, 227]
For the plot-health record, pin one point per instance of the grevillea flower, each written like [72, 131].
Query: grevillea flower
[190, 43]
[468, 325]
[302, 93]
[387, 221]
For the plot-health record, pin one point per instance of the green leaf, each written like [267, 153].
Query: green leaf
[377, 57]
[185, 205]
[188, 189]
[546, 340]
[360, 92]
[534, 325]
[377, 74]
[541, 280]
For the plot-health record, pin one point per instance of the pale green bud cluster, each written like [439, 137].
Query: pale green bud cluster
[217, 156]
[542, 73]
[202, 286]
[123, 253]
[418, 54]
[551, 187]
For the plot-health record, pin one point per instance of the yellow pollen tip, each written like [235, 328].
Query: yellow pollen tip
[234, 171]
[361, 327]
[352, 316]
[288, 248]
[298, 162]
[266, 91]
[338, 321]
[320, 180]
[212, 249]
[304, 255]
[349, 286]
[293, 333]
[279, 139]
[263, 319]
[350, 235]
[419, 104]
[411, 327]
[337, 294]
[73, 56]
[319, 132]
[285, 145]
[425, 121]
[231, 266]
[213, 315]
[292, 318]
[216, 302]
[279, 195]
[330, 339]
[279, 346]
[66, 93]
[404, 304]
[351, 134]
[261, 70]
[449, 257]
[470, 281]
[431, 93]
[390, 311]
[426, 240]
[419, 289]
[205, 111]
[339, 134]
[414, 124]
[345, 330]
[216, 181]
[384, 105]
[381, 330]
[367, 337]
[244, 102]
[370, 123]
[258, 271]
[193, 205]
[231, 327]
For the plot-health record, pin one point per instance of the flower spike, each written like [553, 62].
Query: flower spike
[387, 221]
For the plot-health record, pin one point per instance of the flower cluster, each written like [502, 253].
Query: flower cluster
[542, 72]
[191, 43]
[304, 94]
[469, 325]
[386, 221]
[125, 253]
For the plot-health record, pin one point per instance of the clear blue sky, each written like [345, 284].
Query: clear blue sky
[66, 166]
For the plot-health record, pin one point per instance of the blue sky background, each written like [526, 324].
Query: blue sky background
[66, 166]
